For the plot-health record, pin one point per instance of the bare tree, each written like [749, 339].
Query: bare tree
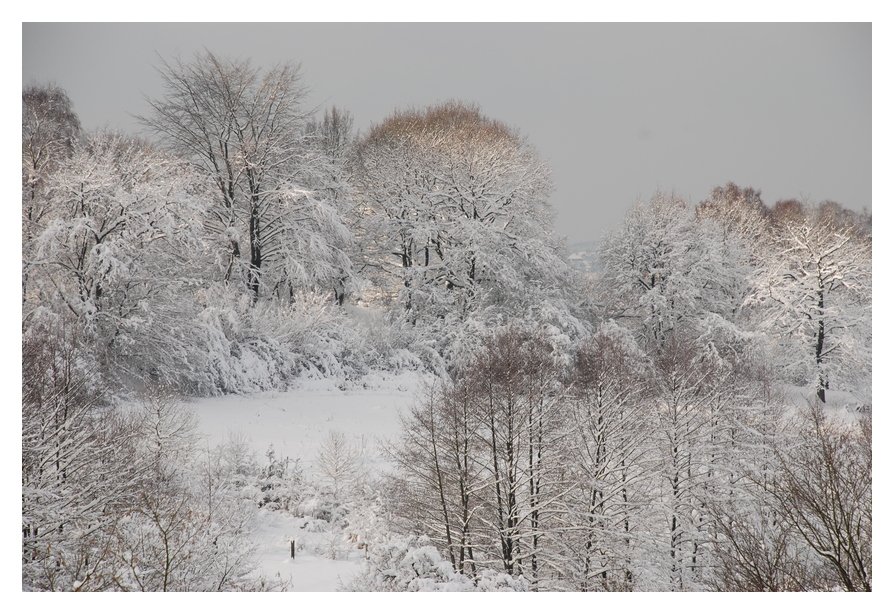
[756, 548]
[517, 389]
[823, 489]
[440, 474]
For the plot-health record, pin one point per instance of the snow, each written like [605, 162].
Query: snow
[308, 571]
[295, 422]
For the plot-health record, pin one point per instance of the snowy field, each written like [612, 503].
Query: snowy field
[295, 423]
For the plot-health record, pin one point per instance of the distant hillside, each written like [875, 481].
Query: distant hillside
[583, 256]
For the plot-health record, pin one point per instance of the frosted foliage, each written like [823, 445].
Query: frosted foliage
[693, 414]
[123, 251]
[667, 269]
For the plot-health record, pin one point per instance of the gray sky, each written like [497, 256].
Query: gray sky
[618, 110]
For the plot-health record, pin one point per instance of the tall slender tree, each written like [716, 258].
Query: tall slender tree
[609, 425]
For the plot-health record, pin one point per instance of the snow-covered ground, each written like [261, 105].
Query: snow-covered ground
[309, 570]
[295, 423]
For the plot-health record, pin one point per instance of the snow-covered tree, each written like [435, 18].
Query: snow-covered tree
[188, 528]
[452, 212]
[755, 547]
[814, 295]
[79, 464]
[120, 252]
[334, 138]
[245, 129]
[651, 267]
[518, 388]
[50, 129]
[740, 212]
[824, 490]
[340, 468]
[480, 460]
[690, 407]
[438, 459]
[669, 267]
[803, 518]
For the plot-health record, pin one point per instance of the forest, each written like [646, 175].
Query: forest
[693, 414]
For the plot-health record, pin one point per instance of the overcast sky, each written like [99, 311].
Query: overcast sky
[618, 110]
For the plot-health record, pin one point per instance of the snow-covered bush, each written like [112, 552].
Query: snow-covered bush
[244, 347]
[412, 564]
[277, 486]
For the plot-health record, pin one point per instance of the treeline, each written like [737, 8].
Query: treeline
[635, 429]
[219, 257]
